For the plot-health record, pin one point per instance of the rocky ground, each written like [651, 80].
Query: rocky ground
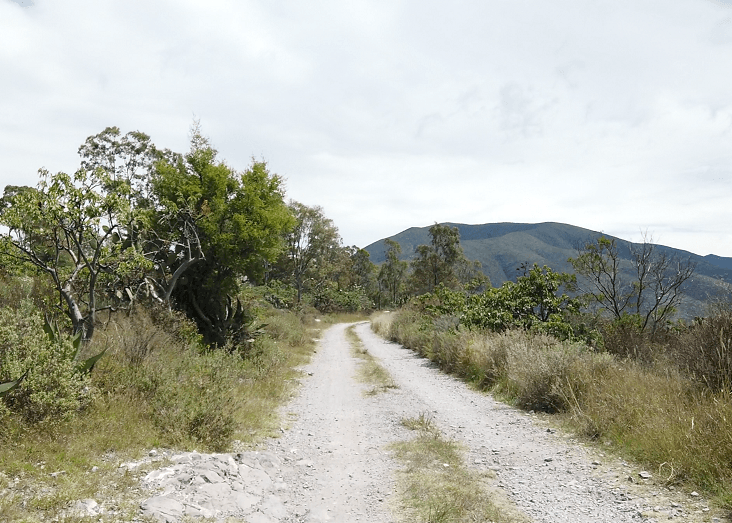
[331, 462]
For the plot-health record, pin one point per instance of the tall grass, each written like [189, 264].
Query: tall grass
[652, 411]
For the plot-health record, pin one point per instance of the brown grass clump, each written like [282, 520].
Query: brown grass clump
[435, 486]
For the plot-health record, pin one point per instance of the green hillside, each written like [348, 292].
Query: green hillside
[502, 247]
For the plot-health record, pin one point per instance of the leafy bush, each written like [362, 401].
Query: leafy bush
[53, 387]
[531, 303]
[328, 298]
[280, 295]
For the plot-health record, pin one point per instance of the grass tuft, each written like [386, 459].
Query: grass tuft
[369, 371]
[435, 486]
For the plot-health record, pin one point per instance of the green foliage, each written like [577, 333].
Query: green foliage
[392, 275]
[532, 303]
[327, 298]
[443, 263]
[281, 295]
[54, 387]
[56, 336]
[234, 222]
[66, 228]
[313, 249]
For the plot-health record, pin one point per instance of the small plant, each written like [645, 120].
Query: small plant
[422, 422]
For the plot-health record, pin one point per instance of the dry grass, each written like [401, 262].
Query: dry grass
[154, 388]
[436, 487]
[369, 370]
[651, 412]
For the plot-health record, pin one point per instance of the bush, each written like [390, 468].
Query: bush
[14, 290]
[704, 350]
[54, 387]
[328, 298]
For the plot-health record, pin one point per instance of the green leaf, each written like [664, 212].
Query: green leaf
[10, 385]
[50, 329]
[88, 364]
[76, 341]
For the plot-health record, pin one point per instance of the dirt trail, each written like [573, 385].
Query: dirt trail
[332, 464]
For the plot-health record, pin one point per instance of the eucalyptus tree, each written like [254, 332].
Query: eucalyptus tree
[443, 263]
[393, 273]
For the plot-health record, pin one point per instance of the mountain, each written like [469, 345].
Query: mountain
[502, 247]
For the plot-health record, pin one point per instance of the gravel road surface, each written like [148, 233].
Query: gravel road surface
[332, 463]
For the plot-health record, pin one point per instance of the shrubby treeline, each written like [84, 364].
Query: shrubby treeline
[138, 229]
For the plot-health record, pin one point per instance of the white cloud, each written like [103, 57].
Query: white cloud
[614, 116]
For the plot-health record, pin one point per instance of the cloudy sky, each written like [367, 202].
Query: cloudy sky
[611, 115]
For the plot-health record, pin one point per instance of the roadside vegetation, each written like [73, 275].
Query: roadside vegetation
[153, 300]
[653, 389]
[435, 486]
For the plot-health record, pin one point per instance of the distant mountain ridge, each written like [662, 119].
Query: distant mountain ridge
[502, 247]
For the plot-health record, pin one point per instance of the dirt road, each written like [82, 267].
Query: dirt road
[332, 463]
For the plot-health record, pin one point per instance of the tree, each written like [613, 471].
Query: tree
[185, 229]
[215, 227]
[393, 272]
[308, 246]
[69, 228]
[443, 263]
[647, 285]
[363, 270]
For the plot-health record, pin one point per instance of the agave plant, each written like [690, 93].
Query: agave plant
[10, 385]
[54, 334]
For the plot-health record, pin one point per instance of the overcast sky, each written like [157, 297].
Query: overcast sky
[610, 115]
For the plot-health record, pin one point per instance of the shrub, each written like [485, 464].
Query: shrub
[53, 387]
[704, 351]
[14, 290]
